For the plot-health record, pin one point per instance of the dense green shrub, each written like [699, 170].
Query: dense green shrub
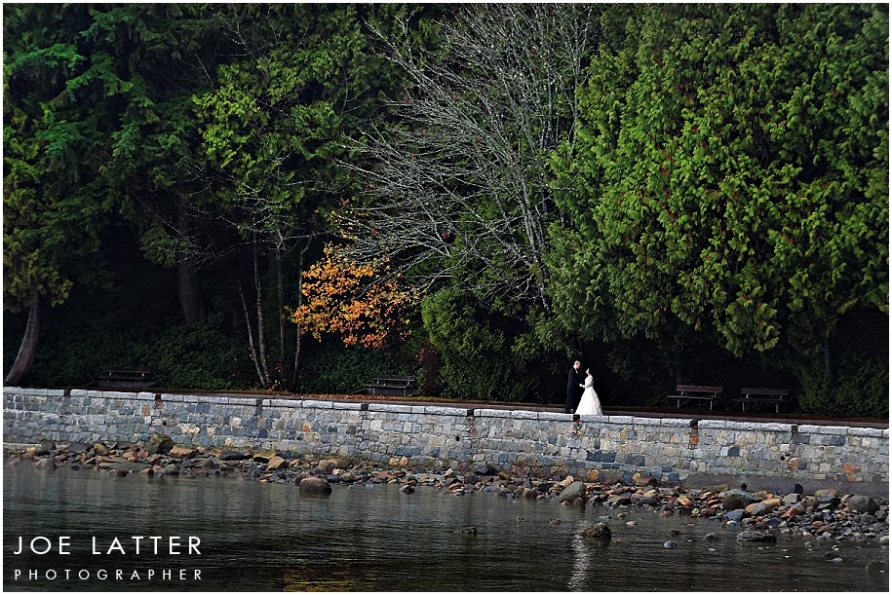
[862, 389]
[332, 368]
[478, 361]
[199, 357]
[79, 339]
[74, 358]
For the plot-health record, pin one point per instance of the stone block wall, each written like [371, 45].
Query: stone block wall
[516, 441]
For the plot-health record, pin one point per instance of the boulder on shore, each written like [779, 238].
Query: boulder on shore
[862, 504]
[159, 443]
[315, 486]
[573, 491]
[734, 499]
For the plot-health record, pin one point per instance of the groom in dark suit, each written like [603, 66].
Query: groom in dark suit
[574, 387]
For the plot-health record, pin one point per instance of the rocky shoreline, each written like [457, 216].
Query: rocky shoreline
[824, 517]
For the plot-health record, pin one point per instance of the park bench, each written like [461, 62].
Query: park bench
[775, 396]
[696, 393]
[392, 385]
[125, 378]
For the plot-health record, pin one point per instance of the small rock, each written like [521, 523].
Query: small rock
[599, 532]
[643, 501]
[78, 447]
[264, 455]
[328, 465]
[618, 500]
[181, 452]
[567, 481]
[756, 536]
[469, 530]
[644, 480]
[275, 462]
[45, 464]
[484, 469]
[876, 567]
[717, 489]
[827, 492]
[790, 499]
[231, 455]
[671, 545]
[757, 509]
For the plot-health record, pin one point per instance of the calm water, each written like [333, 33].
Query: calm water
[258, 537]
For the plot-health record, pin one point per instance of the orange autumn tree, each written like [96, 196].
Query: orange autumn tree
[363, 303]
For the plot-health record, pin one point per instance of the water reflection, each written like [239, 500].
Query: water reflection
[257, 537]
[582, 556]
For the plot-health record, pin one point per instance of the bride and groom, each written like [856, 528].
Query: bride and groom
[589, 404]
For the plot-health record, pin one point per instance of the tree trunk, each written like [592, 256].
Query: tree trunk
[829, 370]
[261, 334]
[188, 278]
[252, 350]
[292, 386]
[21, 367]
[292, 380]
[282, 374]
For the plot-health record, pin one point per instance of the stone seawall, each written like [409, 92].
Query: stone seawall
[437, 437]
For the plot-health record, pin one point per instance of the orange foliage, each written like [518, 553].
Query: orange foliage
[355, 300]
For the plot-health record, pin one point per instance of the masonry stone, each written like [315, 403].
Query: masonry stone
[511, 440]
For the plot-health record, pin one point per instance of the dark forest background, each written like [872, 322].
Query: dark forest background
[301, 197]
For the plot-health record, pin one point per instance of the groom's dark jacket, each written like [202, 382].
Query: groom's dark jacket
[573, 381]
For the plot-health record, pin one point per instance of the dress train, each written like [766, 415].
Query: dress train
[589, 404]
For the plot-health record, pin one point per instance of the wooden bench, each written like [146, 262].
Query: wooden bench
[696, 393]
[775, 396]
[125, 378]
[392, 385]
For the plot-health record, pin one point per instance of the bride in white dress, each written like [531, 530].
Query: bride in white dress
[589, 404]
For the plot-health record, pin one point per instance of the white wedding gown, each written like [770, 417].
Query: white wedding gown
[589, 404]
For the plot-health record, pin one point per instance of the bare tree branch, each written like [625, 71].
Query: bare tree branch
[458, 183]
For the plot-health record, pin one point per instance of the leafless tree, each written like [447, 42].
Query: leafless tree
[457, 183]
